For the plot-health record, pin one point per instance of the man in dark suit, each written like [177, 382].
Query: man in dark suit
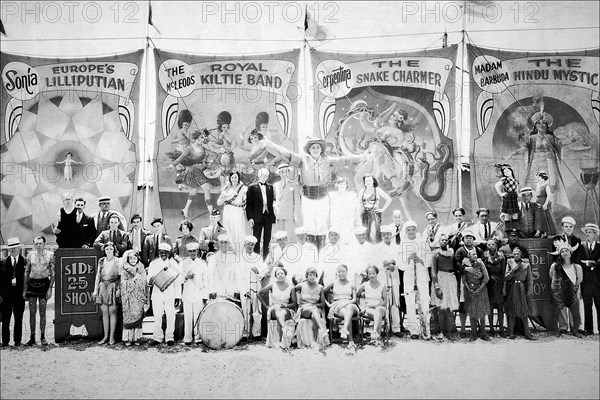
[84, 226]
[590, 286]
[12, 273]
[113, 234]
[259, 211]
[137, 233]
[150, 247]
[530, 227]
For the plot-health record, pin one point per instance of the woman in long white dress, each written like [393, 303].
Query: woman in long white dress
[344, 212]
[233, 197]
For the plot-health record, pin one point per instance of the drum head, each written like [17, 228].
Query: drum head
[221, 324]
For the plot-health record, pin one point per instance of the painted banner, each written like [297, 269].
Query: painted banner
[400, 108]
[67, 126]
[538, 113]
[215, 115]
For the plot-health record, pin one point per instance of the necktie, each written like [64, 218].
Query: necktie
[113, 237]
[486, 231]
[155, 246]
[397, 234]
[527, 206]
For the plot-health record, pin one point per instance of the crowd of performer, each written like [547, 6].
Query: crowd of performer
[330, 261]
[471, 271]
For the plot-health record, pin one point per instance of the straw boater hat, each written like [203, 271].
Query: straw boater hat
[563, 244]
[164, 247]
[282, 166]
[312, 141]
[250, 239]
[526, 190]
[587, 226]
[103, 198]
[13, 242]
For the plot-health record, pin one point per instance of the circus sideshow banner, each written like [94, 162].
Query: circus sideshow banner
[537, 113]
[399, 109]
[216, 114]
[67, 126]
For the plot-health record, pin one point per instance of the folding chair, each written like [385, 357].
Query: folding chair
[365, 320]
[338, 321]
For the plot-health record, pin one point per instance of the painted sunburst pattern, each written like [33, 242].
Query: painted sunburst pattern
[102, 159]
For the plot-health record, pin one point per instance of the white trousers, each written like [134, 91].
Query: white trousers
[191, 311]
[159, 308]
[315, 215]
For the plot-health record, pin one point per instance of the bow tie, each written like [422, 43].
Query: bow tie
[263, 183]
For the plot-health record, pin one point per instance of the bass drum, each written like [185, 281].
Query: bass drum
[221, 324]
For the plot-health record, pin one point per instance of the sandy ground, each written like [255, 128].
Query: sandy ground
[552, 367]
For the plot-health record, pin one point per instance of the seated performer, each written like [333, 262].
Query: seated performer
[195, 281]
[311, 304]
[283, 301]
[344, 303]
[164, 301]
[375, 301]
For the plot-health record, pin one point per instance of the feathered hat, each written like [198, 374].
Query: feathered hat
[563, 244]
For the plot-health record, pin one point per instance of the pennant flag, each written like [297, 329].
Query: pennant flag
[150, 18]
[2, 31]
[312, 29]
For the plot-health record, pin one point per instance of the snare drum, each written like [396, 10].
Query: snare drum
[165, 277]
[221, 324]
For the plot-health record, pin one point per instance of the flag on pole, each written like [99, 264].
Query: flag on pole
[312, 29]
[150, 17]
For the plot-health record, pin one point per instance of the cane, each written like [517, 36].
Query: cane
[247, 317]
[388, 301]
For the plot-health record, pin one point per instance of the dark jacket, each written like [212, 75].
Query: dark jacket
[254, 204]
